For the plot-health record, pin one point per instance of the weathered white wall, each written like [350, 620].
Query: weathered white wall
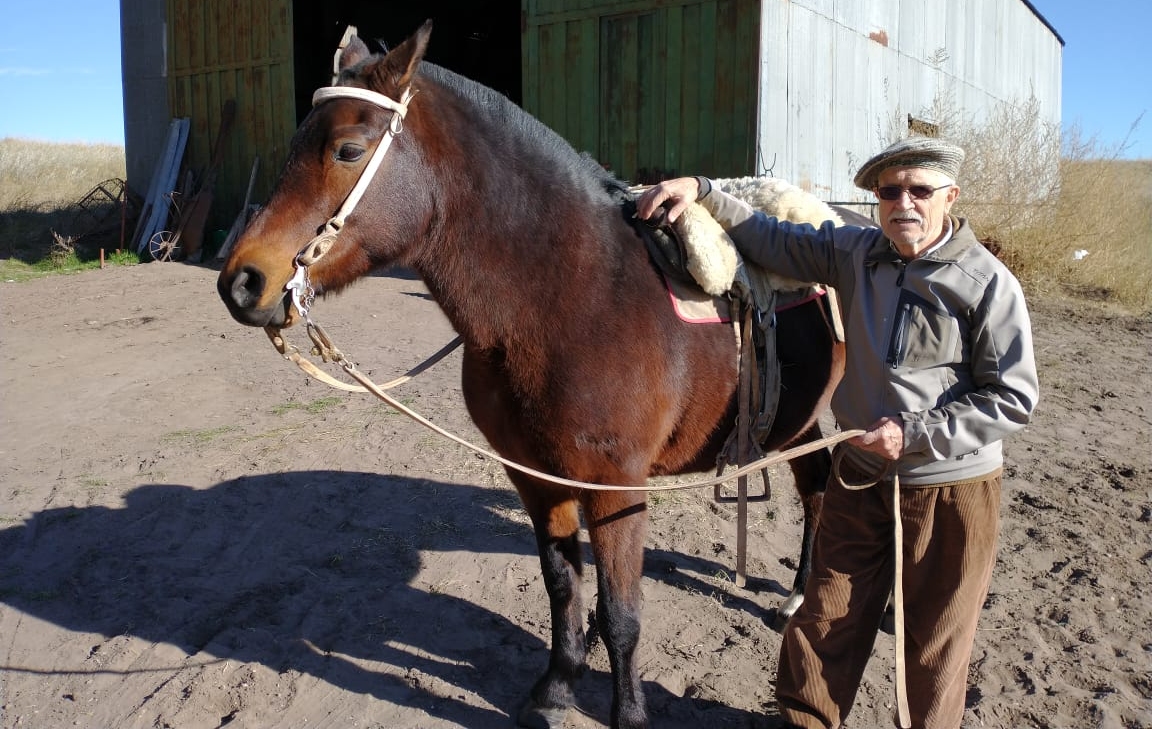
[838, 78]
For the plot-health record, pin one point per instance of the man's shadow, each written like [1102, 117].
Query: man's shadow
[300, 570]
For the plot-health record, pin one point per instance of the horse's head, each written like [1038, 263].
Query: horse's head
[331, 174]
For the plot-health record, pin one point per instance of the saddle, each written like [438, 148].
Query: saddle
[705, 273]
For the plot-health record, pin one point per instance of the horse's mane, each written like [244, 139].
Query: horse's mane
[512, 125]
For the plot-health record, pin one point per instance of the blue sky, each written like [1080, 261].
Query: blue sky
[60, 70]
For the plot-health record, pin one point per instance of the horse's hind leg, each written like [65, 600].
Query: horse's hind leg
[556, 521]
[810, 473]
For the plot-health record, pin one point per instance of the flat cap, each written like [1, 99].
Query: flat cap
[927, 152]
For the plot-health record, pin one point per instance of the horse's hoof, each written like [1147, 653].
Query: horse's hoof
[534, 716]
[785, 612]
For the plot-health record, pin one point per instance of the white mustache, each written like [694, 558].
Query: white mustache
[905, 216]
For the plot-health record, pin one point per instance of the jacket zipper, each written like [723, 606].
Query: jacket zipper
[900, 326]
[899, 334]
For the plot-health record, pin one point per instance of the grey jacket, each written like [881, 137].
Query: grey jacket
[943, 341]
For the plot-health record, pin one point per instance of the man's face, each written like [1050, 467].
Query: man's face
[912, 224]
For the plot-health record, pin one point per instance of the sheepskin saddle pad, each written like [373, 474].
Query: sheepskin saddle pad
[702, 266]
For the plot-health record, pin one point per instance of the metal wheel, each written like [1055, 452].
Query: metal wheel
[164, 246]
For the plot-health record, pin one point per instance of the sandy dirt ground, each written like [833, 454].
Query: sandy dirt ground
[194, 536]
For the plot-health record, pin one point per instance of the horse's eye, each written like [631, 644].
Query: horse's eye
[349, 153]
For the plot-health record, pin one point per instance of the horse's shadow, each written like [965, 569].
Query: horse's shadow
[315, 571]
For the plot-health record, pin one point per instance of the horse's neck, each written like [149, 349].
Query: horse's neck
[514, 242]
[501, 282]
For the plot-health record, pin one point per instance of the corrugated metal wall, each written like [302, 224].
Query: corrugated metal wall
[840, 77]
[648, 88]
[242, 50]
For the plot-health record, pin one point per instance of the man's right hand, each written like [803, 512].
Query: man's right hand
[681, 192]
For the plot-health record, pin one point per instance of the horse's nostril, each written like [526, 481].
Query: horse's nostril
[247, 287]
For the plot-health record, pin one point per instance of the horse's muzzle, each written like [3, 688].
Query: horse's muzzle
[242, 293]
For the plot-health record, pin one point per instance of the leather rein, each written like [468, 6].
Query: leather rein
[303, 296]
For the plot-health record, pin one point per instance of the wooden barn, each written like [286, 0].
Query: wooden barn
[799, 89]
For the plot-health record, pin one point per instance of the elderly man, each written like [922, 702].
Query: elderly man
[939, 370]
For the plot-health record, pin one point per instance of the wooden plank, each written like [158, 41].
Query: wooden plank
[749, 42]
[725, 134]
[283, 123]
[552, 63]
[168, 172]
[589, 70]
[193, 33]
[672, 81]
[215, 21]
[737, 20]
[611, 103]
[651, 60]
[705, 126]
[154, 195]
[261, 130]
[179, 60]
[628, 129]
[575, 117]
[264, 88]
[259, 30]
[194, 219]
[241, 220]
[690, 52]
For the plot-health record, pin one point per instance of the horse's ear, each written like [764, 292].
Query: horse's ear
[353, 53]
[400, 65]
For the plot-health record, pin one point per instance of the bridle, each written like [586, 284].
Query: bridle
[299, 288]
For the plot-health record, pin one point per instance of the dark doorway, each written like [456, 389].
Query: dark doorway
[478, 39]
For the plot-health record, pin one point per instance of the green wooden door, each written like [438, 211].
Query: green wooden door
[651, 89]
[241, 51]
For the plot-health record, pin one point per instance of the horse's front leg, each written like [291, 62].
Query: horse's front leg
[556, 521]
[810, 474]
[617, 528]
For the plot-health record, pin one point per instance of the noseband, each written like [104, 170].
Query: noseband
[301, 291]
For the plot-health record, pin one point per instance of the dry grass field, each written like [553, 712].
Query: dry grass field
[40, 186]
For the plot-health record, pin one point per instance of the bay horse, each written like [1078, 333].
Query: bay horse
[574, 362]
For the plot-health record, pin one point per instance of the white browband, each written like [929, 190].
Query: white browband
[326, 93]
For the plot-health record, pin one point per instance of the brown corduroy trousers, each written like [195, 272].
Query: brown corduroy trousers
[950, 535]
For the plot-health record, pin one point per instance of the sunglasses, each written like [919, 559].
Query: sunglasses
[916, 192]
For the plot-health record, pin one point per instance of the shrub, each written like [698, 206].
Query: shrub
[1065, 213]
